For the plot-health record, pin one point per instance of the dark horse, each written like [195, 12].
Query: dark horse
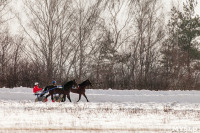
[65, 90]
[81, 89]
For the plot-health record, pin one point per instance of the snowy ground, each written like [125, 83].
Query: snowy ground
[108, 111]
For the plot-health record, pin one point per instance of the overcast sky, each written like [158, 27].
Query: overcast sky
[168, 4]
[17, 6]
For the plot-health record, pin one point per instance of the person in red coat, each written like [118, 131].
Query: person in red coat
[36, 88]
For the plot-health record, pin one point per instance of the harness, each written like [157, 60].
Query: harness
[59, 87]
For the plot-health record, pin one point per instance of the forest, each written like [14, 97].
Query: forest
[118, 44]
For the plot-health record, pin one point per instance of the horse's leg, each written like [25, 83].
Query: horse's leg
[52, 97]
[85, 97]
[79, 97]
[63, 98]
[47, 95]
[68, 96]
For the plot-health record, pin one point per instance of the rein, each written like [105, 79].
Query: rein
[50, 90]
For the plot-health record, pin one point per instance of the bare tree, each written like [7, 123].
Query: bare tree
[146, 44]
[10, 56]
[4, 11]
[120, 19]
[87, 15]
[50, 28]
[109, 50]
[16, 57]
[5, 55]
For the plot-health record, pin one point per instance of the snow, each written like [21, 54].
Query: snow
[108, 111]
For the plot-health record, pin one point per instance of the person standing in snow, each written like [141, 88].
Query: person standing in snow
[36, 89]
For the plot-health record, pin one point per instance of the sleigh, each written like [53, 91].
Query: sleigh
[39, 97]
[42, 97]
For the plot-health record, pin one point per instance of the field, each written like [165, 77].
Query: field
[138, 111]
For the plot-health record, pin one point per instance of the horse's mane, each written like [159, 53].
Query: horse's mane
[84, 83]
[67, 83]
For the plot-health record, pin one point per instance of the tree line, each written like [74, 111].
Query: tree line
[119, 44]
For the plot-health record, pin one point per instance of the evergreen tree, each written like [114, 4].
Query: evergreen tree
[180, 49]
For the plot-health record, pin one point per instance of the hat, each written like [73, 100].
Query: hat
[36, 83]
[54, 82]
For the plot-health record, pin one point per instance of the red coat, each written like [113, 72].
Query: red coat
[36, 89]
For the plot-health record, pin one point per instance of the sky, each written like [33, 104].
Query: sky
[17, 6]
[168, 4]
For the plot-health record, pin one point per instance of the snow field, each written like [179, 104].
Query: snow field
[27, 115]
[119, 114]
